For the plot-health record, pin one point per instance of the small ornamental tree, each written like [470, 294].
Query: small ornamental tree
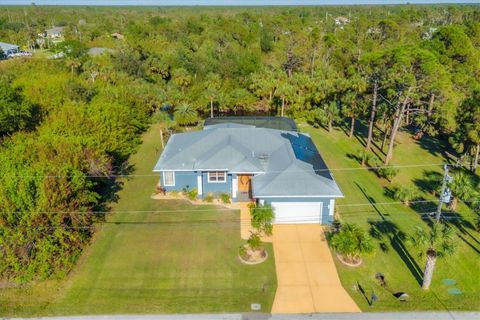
[351, 242]
[387, 172]
[262, 218]
[438, 242]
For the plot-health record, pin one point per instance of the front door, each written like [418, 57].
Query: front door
[244, 185]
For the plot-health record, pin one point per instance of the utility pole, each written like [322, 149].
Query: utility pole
[445, 193]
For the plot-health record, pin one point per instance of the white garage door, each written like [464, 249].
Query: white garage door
[297, 212]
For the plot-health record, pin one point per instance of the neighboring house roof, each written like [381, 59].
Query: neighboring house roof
[98, 51]
[280, 123]
[54, 31]
[287, 163]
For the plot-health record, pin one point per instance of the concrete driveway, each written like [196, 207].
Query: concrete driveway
[307, 278]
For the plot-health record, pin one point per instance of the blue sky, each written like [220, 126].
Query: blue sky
[222, 2]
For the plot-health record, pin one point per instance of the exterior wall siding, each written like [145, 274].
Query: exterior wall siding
[183, 180]
[327, 219]
[217, 187]
[188, 180]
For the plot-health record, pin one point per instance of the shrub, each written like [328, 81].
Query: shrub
[387, 172]
[192, 194]
[225, 197]
[242, 251]
[351, 242]
[374, 161]
[254, 241]
[363, 156]
[262, 218]
[405, 194]
[208, 197]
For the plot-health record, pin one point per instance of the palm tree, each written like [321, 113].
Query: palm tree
[73, 64]
[364, 156]
[351, 242]
[185, 114]
[182, 79]
[462, 188]
[332, 114]
[405, 194]
[438, 242]
[212, 83]
[285, 91]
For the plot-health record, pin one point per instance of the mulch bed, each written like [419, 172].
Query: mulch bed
[348, 263]
[253, 256]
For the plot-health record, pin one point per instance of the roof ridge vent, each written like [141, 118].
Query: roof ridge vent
[263, 158]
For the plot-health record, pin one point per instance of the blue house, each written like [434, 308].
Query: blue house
[269, 166]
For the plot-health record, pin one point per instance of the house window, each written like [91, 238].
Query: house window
[169, 178]
[217, 176]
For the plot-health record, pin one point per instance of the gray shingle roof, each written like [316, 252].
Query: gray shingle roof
[54, 30]
[287, 162]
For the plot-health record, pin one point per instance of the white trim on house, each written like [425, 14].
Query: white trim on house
[234, 187]
[216, 173]
[282, 196]
[199, 185]
[173, 178]
[186, 170]
[251, 172]
[331, 207]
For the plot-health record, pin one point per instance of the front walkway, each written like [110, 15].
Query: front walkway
[306, 275]
[245, 226]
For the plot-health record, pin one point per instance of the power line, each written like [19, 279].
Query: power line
[372, 204]
[111, 176]
[238, 221]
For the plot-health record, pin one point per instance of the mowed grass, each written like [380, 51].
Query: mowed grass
[364, 204]
[154, 256]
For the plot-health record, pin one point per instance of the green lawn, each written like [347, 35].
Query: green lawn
[185, 260]
[399, 263]
[180, 259]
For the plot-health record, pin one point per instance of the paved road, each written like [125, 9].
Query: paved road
[306, 274]
[314, 316]
[383, 316]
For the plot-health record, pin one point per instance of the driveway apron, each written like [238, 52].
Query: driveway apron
[307, 278]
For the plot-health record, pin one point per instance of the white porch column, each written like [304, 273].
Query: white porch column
[199, 184]
[234, 187]
[331, 207]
